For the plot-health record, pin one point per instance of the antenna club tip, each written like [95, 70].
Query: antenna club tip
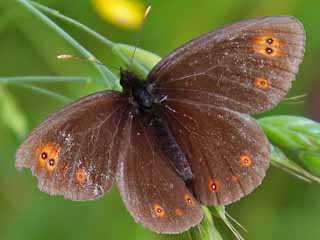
[92, 59]
[64, 56]
[147, 11]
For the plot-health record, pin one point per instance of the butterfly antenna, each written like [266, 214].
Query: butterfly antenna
[69, 57]
[146, 13]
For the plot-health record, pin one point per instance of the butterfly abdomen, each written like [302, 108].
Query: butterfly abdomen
[170, 147]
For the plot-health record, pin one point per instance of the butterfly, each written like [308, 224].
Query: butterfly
[181, 139]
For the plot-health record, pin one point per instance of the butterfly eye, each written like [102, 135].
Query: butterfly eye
[214, 185]
[159, 211]
[245, 160]
[81, 176]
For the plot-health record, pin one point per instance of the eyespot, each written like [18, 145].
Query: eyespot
[158, 210]
[81, 176]
[52, 164]
[262, 83]
[235, 178]
[178, 212]
[245, 161]
[48, 156]
[189, 200]
[269, 50]
[214, 185]
[44, 155]
[269, 40]
[268, 45]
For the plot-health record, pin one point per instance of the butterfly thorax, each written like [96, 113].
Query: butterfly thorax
[135, 89]
[150, 108]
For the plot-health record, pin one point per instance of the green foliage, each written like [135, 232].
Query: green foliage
[9, 110]
[299, 139]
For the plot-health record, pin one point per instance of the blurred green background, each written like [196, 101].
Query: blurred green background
[282, 208]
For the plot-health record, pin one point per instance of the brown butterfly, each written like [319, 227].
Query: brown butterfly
[181, 138]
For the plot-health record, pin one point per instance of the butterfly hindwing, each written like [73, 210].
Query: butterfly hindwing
[73, 152]
[227, 151]
[247, 66]
[151, 190]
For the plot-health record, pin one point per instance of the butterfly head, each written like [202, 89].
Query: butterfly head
[135, 88]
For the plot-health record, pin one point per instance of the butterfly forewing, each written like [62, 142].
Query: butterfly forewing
[247, 66]
[74, 152]
[227, 151]
[151, 190]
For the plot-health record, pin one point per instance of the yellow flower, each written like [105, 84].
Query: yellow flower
[124, 13]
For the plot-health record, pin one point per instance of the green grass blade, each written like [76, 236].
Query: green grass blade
[10, 114]
[47, 92]
[44, 79]
[57, 14]
[109, 78]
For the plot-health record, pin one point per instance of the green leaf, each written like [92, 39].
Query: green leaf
[11, 115]
[280, 160]
[220, 212]
[298, 139]
[311, 161]
[206, 229]
[292, 132]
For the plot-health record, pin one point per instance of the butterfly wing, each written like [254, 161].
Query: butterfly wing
[247, 66]
[74, 151]
[227, 151]
[151, 190]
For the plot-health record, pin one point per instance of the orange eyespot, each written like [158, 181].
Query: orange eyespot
[235, 178]
[158, 210]
[178, 212]
[189, 200]
[48, 156]
[268, 46]
[245, 160]
[214, 185]
[81, 176]
[262, 83]
[269, 40]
